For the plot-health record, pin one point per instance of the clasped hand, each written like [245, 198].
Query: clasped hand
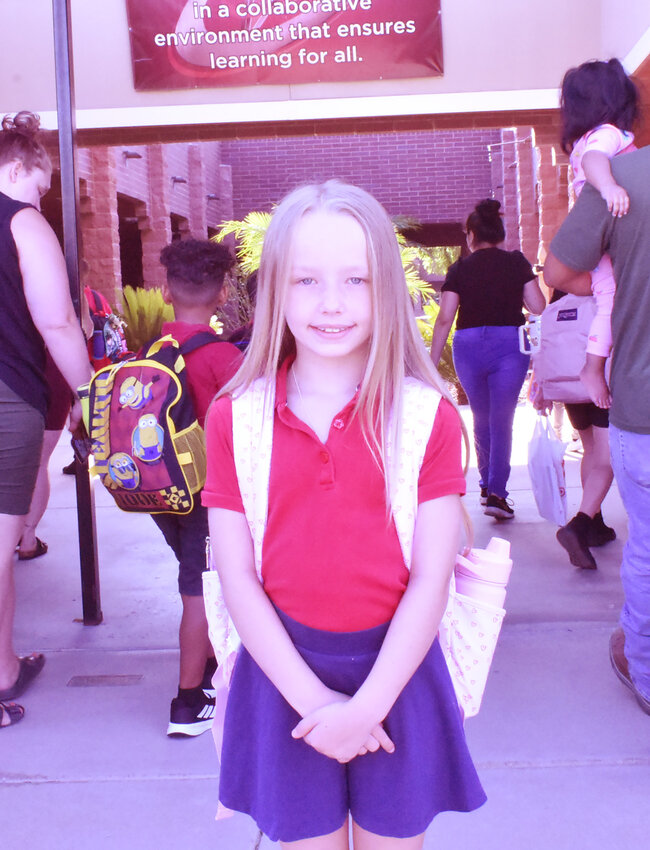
[340, 731]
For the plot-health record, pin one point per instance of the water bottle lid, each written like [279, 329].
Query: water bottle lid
[500, 547]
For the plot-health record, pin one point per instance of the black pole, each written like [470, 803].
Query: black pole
[91, 604]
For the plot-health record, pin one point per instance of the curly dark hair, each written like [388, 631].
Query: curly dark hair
[21, 139]
[596, 93]
[196, 268]
[485, 222]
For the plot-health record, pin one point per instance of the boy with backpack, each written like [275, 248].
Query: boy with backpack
[196, 270]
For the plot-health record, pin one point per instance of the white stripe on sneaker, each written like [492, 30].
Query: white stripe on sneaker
[206, 713]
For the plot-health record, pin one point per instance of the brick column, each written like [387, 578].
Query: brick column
[551, 187]
[101, 268]
[156, 228]
[510, 190]
[198, 212]
[226, 207]
[528, 221]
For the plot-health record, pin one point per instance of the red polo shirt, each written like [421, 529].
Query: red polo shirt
[330, 558]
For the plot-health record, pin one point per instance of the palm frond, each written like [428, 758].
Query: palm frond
[144, 311]
[249, 233]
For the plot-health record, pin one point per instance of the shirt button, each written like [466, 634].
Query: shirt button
[338, 423]
[324, 456]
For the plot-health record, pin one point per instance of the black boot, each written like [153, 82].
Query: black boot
[599, 533]
[573, 537]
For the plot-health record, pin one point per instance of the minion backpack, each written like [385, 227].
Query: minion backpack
[148, 446]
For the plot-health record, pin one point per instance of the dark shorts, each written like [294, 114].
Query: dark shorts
[583, 416]
[294, 793]
[21, 441]
[186, 535]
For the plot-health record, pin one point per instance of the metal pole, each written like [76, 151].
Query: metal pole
[91, 604]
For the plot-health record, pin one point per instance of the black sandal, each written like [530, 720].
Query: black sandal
[10, 713]
[29, 668]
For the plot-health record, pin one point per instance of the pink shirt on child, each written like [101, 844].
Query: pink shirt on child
[607, 139]
[330, 558]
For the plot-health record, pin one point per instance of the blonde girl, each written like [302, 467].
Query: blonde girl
[341, 709]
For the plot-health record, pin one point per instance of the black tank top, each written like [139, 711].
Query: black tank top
[22, 352]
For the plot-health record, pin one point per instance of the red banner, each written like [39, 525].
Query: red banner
[187, 44]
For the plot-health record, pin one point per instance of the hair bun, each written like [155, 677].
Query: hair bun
[489, 208]
[25, 123]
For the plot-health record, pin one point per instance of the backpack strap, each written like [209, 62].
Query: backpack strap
[252, 426]
[199, 339]
[95, 304]
[419, 407]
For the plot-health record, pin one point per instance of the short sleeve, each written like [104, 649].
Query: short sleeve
[606, 139]
[221, 486]
[452, 279]
[441, 473]
[523, 269]
[225, 366]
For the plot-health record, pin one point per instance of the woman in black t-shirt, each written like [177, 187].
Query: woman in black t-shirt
[488, 290]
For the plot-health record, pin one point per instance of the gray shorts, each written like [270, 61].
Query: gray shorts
[21, 440]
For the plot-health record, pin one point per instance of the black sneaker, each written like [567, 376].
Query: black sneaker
[598, 533]
[498, 508]
[484, 495]
[208, 673]
[187, 720]
[573, 537]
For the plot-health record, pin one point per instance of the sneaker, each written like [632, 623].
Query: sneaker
[598, 533]
[190, 720]
[498, 508]
[620, 666]
[573, 537]
[484, 495]
[70, 468]
[206, 685]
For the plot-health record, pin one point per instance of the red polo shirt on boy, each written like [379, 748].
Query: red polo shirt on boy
[208, 368]
[331, 560]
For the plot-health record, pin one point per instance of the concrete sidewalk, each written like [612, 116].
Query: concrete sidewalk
[561, 746]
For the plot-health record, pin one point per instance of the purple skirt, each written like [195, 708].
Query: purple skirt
[294, 792]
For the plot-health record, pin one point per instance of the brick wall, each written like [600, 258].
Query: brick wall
[431, 176]
[432, 168]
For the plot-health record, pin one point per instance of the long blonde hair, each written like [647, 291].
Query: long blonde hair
[396, 346]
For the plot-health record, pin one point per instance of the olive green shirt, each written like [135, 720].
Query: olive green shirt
[590, 231]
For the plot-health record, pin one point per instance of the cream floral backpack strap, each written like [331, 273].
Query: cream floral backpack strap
[470, 626]
[419, 408]
[252, 426]
[252, 420]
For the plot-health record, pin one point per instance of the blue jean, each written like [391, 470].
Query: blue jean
[491, 370]
[631, 463]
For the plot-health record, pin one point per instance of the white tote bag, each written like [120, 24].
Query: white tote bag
[546, 470]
